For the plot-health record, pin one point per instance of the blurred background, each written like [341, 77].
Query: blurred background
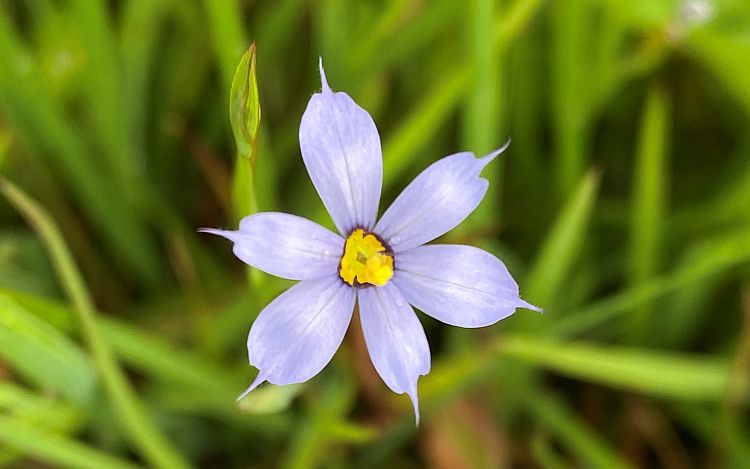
[622, 207]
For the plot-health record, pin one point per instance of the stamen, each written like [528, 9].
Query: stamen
[365, 260]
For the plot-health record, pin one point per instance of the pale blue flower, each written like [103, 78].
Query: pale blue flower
[381, 264]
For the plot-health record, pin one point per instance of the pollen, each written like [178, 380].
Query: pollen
[365, 260]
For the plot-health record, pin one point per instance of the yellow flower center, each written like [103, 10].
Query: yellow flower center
[365, 260]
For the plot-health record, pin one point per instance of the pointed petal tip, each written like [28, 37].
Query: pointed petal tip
[228, 234]
[415, 403]
[323, 79]
[527, 305]
[256, 382]
[494, 154]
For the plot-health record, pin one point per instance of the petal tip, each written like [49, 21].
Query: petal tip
[415, 403]
[323, 79]
[527, 305]
[494, 154]
[215, 231]
[256, 382]
[414, 396]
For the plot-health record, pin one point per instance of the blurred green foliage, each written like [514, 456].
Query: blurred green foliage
[622, 207]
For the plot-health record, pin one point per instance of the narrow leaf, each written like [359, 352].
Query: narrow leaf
[44, 355]
[671, 375]
[583, 441]
[133, 417]
[704, 261]
[50, 412]
[563, 245]
[55, 449]
[649, 192]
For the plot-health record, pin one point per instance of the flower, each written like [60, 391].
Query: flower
[384, 265]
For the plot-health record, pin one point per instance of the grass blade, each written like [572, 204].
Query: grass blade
[563, 245]
[44, 355]
[228, 36]
[51, 413]
[484, 114]
[649, 192]
[55, 449]
[707, 260]
[661, 374]
[142, 431]
[40, 119]
[582, 441]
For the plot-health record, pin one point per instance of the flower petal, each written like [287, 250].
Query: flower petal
[341, 149]
[458, 285]
[438, 199]
[395, 339]
[285, 245]
[297, 334]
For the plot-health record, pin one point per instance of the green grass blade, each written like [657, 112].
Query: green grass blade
[421, 124]
[227, 34]
[6, 138]
[660, 374]
[271, 24]
[727, 57]
[141, 28]
[516, 20]
[483, 114]
[584, 442]
[649, 193]
[55, 449]
[43, 355]
[707, 260]
[704, 422]
[133, 417]
[53, 414]
[102, 82]
[545, 455]
[40, 120]
[563, 246]
[167, 364]
[568, 80]
[310, 446]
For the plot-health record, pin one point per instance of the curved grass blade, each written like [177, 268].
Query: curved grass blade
[142, 431]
